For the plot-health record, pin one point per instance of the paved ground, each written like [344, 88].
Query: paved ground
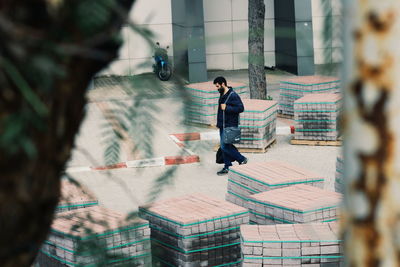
[126, 189]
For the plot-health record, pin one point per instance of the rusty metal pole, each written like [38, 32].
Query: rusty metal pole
[372, 133]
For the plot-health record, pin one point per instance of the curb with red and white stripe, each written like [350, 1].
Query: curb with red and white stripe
[154, 162]
[179, 140]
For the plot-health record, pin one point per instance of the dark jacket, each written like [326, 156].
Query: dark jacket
[234, 106]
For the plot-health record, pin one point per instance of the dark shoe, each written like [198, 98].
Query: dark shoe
[244, 161]
[223, 171]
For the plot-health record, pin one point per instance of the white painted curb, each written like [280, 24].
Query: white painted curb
[209, 135]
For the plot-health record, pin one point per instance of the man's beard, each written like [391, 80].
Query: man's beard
[221, 90]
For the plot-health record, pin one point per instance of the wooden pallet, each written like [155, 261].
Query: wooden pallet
[251, 150]
[316, 142]
[284, 116]
[257, 150]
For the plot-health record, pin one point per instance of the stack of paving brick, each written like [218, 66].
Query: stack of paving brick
[258, 123]
[195, 230]
[294, 204]
[96, 236]
[204, 101]
[291, 244]
[295, 88]
[75, 196]
[316, 117]
[339, 183]
[253, 178]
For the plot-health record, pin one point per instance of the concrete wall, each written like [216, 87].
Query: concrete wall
[327, 22]
[226, 33]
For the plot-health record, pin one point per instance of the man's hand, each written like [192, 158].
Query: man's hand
[223, 106]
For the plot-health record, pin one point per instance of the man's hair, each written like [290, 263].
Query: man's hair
[220, 80]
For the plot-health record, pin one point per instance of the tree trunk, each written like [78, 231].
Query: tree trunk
[257, 81]
[372, 210]
[49, 51]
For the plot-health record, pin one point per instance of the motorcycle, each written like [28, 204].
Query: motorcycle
[162, 67]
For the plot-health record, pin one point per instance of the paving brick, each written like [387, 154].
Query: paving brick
[291, 252]
[204, 97]
[251, 264]
[291, 245]
[271, 252]
[196, 230]
[295, 88]
[294, 204]
[307, 251]
[272, 261]
[258, 123]
[253, 178]
[329, 249]
[299, 244]
[316, 117]
[287, 262]
[74, 232]
[75, 196]
[171, 257]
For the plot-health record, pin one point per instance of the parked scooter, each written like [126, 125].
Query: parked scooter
[162, 67]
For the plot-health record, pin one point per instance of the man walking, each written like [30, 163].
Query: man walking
[231, 108]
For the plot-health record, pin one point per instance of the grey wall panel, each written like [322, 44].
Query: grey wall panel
[304, 39]
[303, 10]
[197, 73]
[180, 49]
[196, 45]
[188, 36]
[298, 65]
[286, 62]
[194, 13]
[294, 36]
[305, 66]
[284, 10]
[178, 8]
[285, 37]
[196, 54]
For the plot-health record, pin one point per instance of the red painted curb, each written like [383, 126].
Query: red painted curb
[175, 160]
[187, 136]
[110, 167]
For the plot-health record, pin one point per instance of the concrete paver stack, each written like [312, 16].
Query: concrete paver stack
[75, 196]
[253, 178]
[295, 88]
[258, 123]
[195, 230]
[294, 204]
[204, 97]
[96, 235]
[316, 117]
[339, 183]
[291, 244]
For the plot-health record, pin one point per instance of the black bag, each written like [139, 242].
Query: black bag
[219, 157]
[231, 135]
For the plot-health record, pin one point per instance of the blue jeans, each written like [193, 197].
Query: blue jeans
[230, 154]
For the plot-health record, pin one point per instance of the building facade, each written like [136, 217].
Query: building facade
[226, 32]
